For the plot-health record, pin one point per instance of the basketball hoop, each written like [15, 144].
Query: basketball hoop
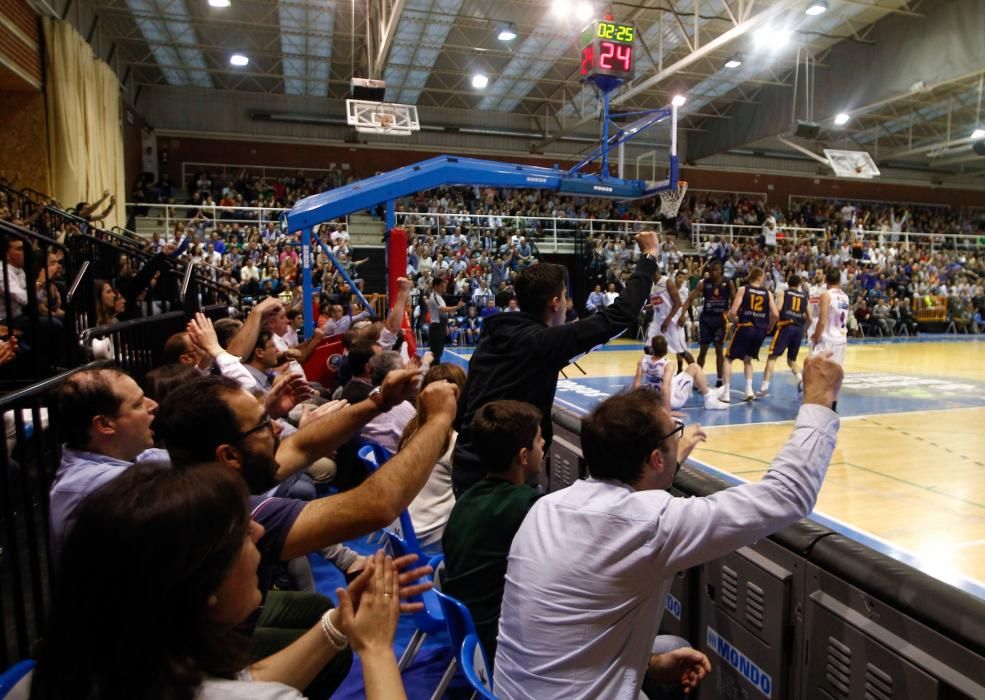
[384, 119]
[670, 200]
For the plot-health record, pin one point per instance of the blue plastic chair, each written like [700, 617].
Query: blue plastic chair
[430, 620]
[15, 682]
[469, 654]
[375, 456]
[475, 665]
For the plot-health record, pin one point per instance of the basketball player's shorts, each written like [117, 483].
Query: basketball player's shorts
[746, 342]
[787, 337]
[681, 389]
[711, 329]
[675, 338]
[837, 351]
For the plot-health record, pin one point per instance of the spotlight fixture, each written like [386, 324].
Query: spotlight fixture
[507, 33]
[978, 133]
[678, 100]
[238, 59]
[771, 38]
[817, 7]
[734, 61]
[479, 81]
[585, 11]
[841, 119]
[219, 3]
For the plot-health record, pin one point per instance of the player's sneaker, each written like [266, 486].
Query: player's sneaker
[713, 403]
[749, 397]
[762, 393]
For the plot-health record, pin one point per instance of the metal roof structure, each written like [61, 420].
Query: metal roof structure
[427, 51]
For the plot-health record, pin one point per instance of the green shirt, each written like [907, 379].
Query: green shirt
[477, 543]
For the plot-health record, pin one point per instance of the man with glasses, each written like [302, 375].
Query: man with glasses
[591, 565]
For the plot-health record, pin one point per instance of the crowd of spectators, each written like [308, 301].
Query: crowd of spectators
[209, 479]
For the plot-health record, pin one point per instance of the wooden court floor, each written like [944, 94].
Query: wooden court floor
[908, 473]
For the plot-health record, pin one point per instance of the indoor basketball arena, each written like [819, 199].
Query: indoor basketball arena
[530, 350]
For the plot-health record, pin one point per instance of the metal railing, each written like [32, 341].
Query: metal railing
[170, 215]
[554, 234]
[33, 308]
[29, 458]
[138, 345]
[702, 233]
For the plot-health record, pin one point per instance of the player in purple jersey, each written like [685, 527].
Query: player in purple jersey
[753, 312]
[795, 314]
[717, 293]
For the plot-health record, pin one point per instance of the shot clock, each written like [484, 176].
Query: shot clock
[607, 51]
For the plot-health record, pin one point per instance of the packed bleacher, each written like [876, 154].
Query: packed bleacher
[303, 473]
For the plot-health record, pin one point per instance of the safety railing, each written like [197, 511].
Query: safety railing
[702, 233]
[166, 217]
[552, 234]
[36, 319]
[138, 345]
[29, 458]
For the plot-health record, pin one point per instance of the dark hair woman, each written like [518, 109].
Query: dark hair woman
[179, 548]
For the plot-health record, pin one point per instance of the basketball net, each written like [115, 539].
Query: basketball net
[670, 200]
[384, 119]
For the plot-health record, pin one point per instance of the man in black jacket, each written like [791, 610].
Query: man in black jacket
[520, 354]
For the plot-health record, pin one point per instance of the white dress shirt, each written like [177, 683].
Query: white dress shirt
[590, 568]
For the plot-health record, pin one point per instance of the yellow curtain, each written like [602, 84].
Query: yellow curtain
[85, 135]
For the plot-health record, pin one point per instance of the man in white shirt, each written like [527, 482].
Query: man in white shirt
[590, 568]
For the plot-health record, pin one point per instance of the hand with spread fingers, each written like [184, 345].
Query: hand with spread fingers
[370, 608]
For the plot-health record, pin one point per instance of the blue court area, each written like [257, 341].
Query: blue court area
[863, 392]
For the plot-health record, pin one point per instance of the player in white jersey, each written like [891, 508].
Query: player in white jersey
[831, 332]
[814, 293]
[665, 302]
[657, 372]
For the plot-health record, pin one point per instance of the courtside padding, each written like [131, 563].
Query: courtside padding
[808, 613]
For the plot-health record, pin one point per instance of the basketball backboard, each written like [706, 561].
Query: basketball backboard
[382, 117]
[857, 164]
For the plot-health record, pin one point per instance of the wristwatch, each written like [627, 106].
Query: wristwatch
[376, 396]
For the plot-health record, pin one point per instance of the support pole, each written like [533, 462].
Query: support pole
[309, 321]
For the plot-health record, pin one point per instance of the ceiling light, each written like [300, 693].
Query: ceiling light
[585, 11]
[978, 134]
[771, 38]
[479, 81]
[678, 100]
[219, 3]
[238, 59]
[734, 61]
[507, 33]
[841, 119]
[817, 7]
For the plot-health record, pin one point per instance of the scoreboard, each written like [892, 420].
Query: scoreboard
[607, 50]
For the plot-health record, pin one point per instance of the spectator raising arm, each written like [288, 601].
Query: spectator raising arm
[379, 500]
[321, 436]
[245, 339]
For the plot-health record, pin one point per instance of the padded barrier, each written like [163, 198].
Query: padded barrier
[808, 613]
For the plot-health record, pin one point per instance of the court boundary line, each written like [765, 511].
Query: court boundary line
[964, 583]
[859, 416]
